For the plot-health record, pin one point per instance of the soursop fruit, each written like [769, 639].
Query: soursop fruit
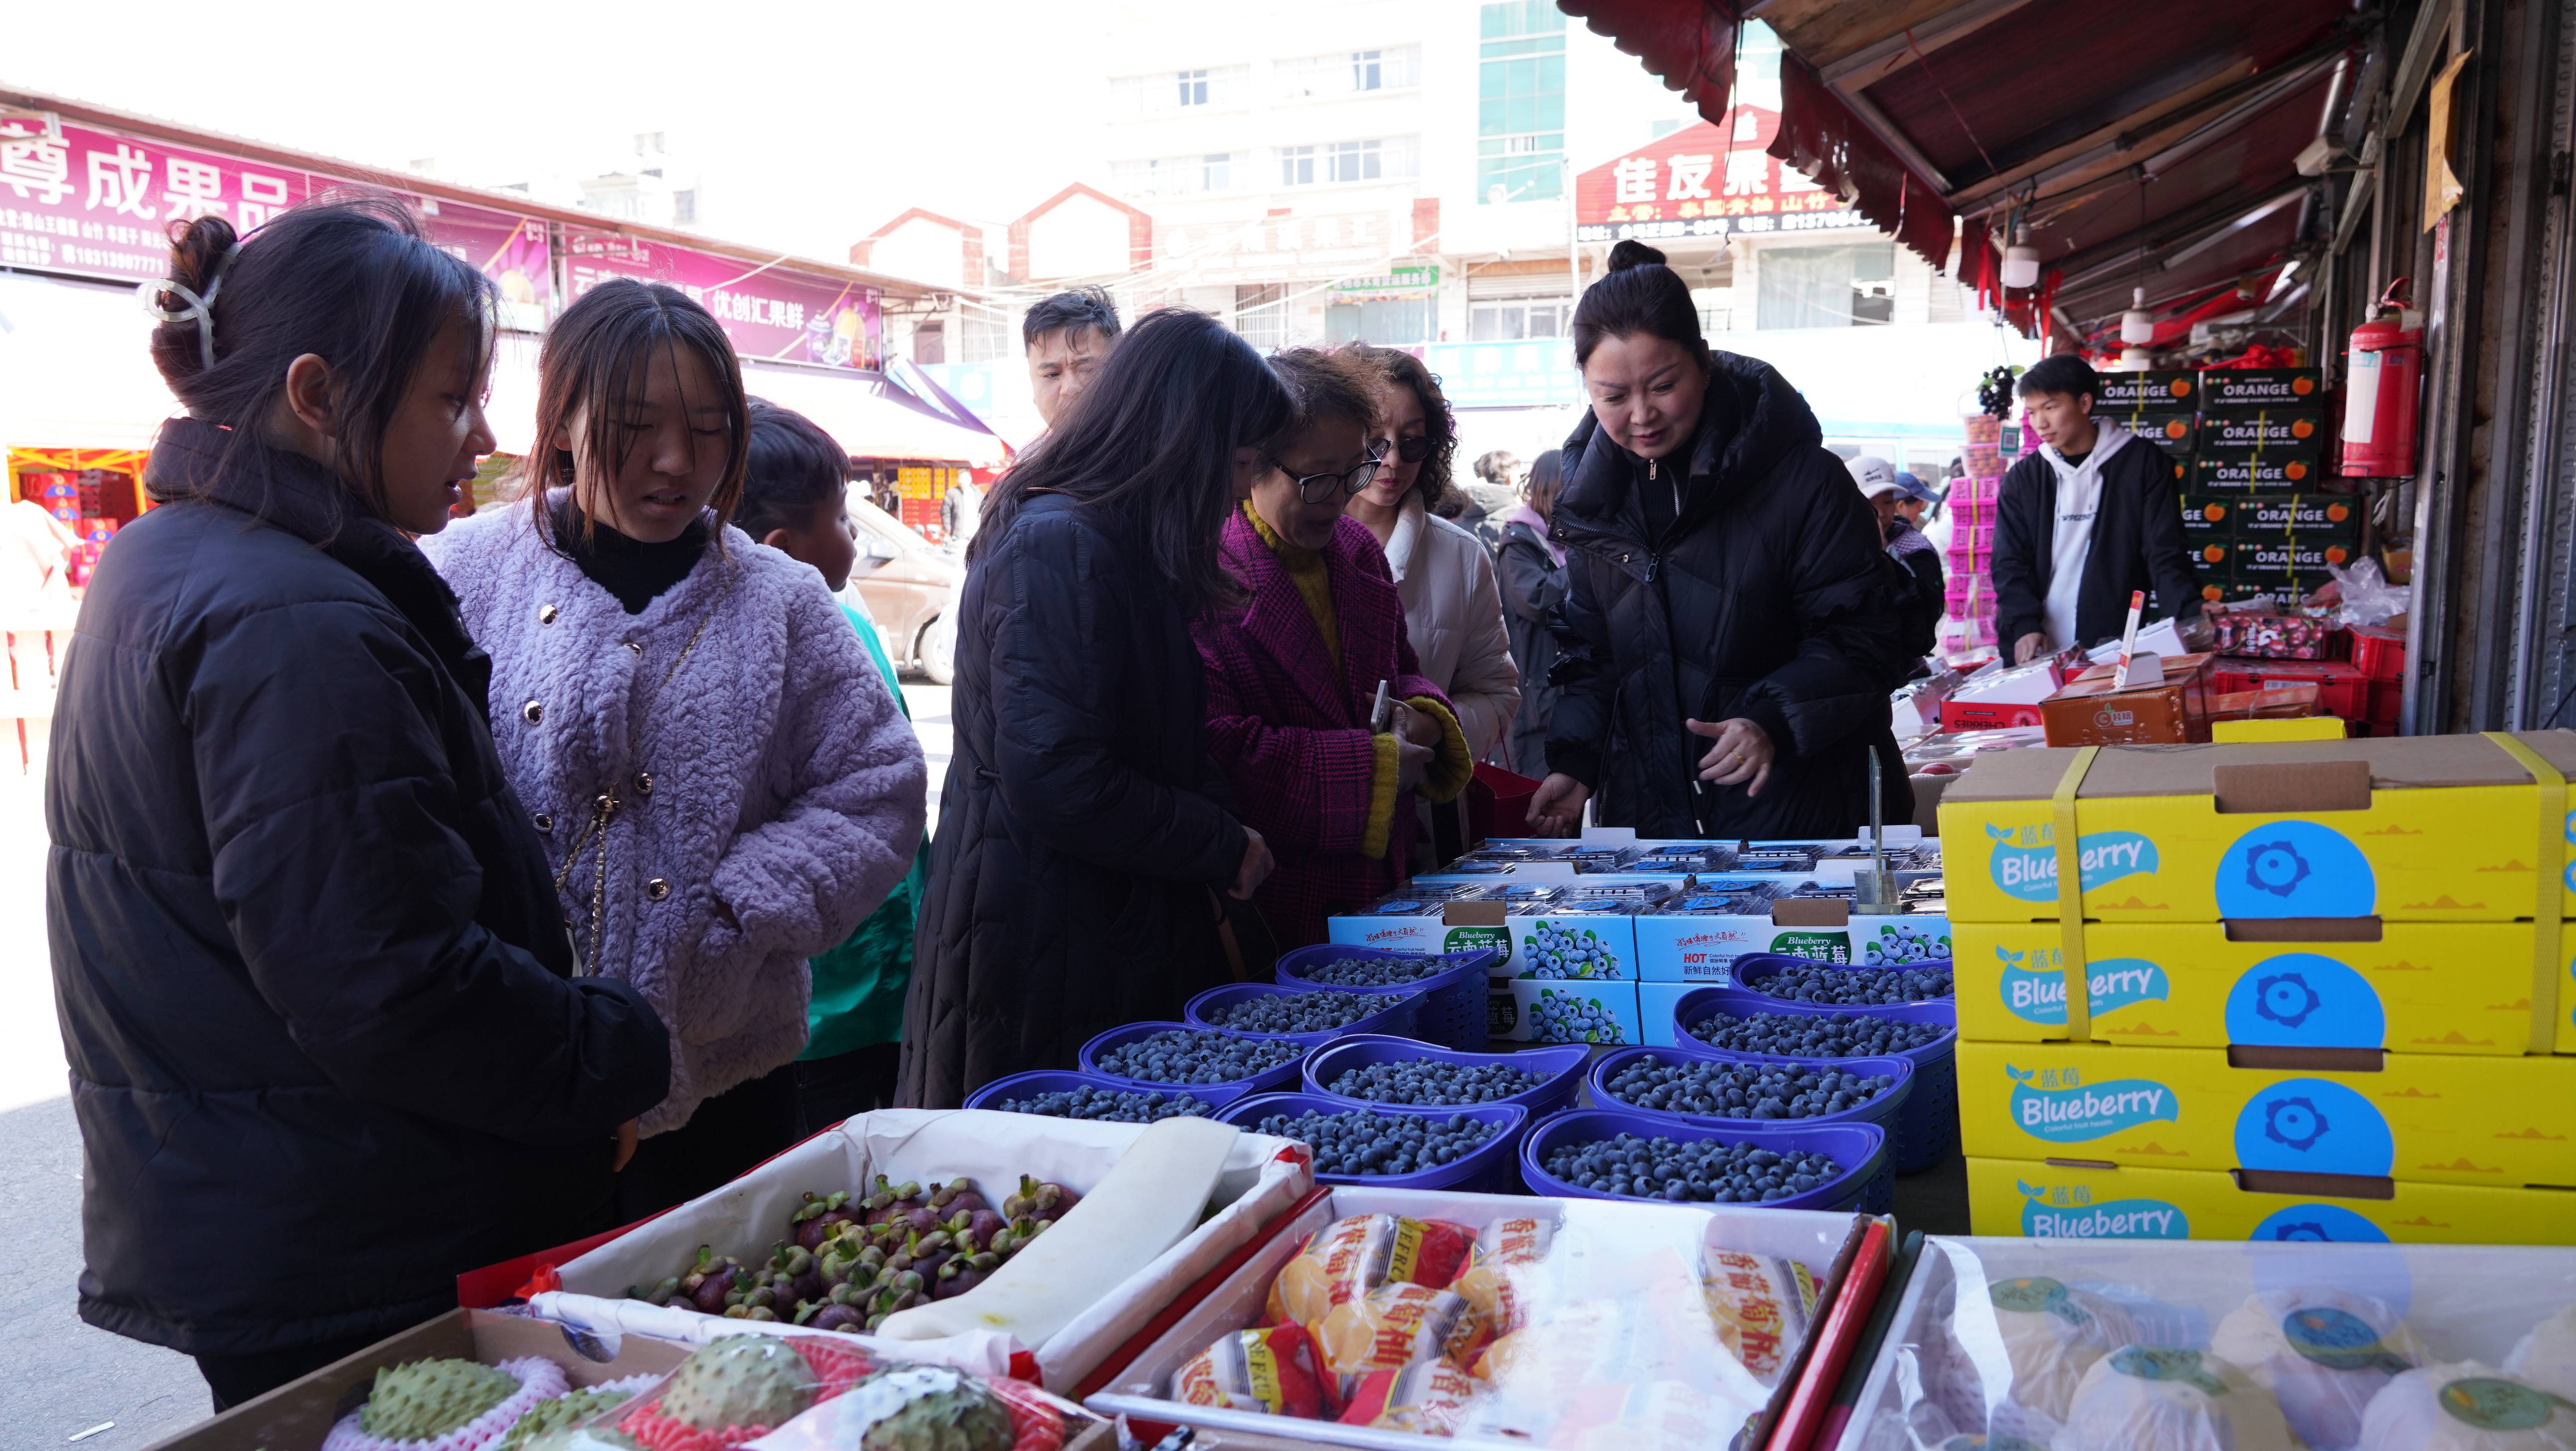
[429, 1398]
[740, 1380]
[923, 1408]
[562, 1413]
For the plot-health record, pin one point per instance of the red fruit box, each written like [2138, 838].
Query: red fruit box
[2379, 652]
[2387, 702]
[2341, 689]
[2270, 635]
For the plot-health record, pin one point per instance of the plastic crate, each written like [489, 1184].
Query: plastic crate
[1860, 1148]
[1489, 1168]
[2379, 652]
[1058, 1080]
[2342, 690]
[1882, 1111]
[1397, 1018]
[1453, 1002]
[1564, 1062]
[1927, 1128]
[1262, 1082]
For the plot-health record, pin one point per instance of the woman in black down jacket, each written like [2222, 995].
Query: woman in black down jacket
[1531, 573]
[1084, 832]
[1734, 626]
[328, 1044]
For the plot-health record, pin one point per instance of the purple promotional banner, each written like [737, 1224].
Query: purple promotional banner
[770, 312]
[95, 204]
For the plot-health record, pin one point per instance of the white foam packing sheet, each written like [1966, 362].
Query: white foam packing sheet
[1262, 1179]
[1945, 1369]
[1141, 1389]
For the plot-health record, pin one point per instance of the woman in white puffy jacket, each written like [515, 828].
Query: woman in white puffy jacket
[1452, 610]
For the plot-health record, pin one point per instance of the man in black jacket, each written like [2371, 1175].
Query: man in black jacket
[2083, 523]
[1915, 564]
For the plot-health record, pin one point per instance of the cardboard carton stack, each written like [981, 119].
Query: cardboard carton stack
[2263, 504]
[2314, 990]
[1970, 620]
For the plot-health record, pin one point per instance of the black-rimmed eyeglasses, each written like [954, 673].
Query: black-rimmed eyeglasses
[1316, 488]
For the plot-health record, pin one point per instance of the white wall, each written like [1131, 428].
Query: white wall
[925, 251]
[1081, 237]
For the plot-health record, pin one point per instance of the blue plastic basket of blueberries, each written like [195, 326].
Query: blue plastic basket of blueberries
[1311, 1016]
[1393, 1146]
[1600, 1153]
[1452, 984]
[1755, 1025]
[1720, 1090]
[1408, 1073]
[1058, 1093]
[1839, 985]
[1150, 1056]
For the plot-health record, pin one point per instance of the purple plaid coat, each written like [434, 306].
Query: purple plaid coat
[1293, 739]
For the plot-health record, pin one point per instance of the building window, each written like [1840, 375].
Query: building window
[1261, 315]
[1194, 88]
[684, 206]
[1844, 286]
[1348, 73]
[1355, 161]
[1506, 322]
[985, 335]
[1520, 102]
[930, 343]
[1216, 171]
[1392, 322]
[1367, 73]
[1296, 166]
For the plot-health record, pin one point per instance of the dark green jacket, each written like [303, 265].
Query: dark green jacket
[859, 986]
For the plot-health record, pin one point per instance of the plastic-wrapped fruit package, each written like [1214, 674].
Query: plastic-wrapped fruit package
[2466, 1407]
[1428, 1398]
[1662, 1415]
[569, 1411]
[445, 1405]
[902, 1407]
[2144, 1398]
[1272, 1370]
[1498, 1278]
[740, 1387]
[1350, 1257]
[2323, 1353]
[2546, 1356]
[1761, 1304]
[1397, 1325]
[2055, 1334]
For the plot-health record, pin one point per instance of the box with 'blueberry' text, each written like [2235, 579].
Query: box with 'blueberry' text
[2069, 1201]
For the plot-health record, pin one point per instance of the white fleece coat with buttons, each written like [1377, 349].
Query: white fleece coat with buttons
[1453, 613]
[784, 783]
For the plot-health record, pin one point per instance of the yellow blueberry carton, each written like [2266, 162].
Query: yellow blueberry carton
[2408, 828]
[2408, 987]
[2067, 1201]
[2421, 1117]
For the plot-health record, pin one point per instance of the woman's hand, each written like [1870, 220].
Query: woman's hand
[2029, 647]
[1256, 868]
[1411, 762]
[1556, 808]
[625, 1147]
[1418, 726]
[1742, 754]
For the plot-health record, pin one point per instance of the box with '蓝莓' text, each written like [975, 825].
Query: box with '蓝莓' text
[2408, 987]
[2070, 1201]
[2432, 1118]
[2406, 828]
[1696, 937]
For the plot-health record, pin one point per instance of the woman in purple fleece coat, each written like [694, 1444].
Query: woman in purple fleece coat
[724, 786]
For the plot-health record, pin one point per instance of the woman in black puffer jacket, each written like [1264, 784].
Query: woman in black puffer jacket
[1735, 626]
[329, 1047]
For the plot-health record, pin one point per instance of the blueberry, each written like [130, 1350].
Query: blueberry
[1376, 971]
[1431, 1081]
[1835, 1035]
[1319, 1011]
[1106, 1105]
[1694, 1170]
[1358, 1142]
[1189, 1055]
[1849, 987]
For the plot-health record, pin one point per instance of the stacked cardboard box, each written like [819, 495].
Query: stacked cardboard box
[2262, 506]
[2313, 990]
[1971, 506]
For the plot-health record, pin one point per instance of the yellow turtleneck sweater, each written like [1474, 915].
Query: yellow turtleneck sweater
[1450, 768]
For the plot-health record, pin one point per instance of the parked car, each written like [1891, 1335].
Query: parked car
[910, 588]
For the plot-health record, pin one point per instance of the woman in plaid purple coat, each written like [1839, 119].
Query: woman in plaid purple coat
[1292, 677]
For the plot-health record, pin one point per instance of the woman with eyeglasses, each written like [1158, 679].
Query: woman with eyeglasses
[1294, 675]
[1444, 572]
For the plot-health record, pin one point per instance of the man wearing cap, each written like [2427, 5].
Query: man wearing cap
[2080, 525]
[1912, 553]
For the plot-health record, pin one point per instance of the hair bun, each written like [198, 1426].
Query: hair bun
[1634, 254]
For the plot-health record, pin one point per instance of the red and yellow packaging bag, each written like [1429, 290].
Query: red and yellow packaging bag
[1394, 1326]
[1761, 1304]
[1499, 1279]
[1428, 1399]
[1350, 1257]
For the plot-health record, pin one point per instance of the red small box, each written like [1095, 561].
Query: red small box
[1979, 715]
[2379, 652]
[2342, 690]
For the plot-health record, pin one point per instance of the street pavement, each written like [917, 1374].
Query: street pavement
[61, 1382]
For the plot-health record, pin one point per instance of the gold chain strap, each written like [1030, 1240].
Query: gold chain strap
[603, 808]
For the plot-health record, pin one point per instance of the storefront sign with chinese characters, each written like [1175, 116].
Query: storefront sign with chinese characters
[1272, 249]
[770, 312]
[1705, 180]
[94, 204]
[1404, 279]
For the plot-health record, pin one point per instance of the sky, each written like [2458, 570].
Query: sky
[810, 124]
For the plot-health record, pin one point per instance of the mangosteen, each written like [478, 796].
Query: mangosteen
[837, 1317]
[819, 1217]
[956, 1196]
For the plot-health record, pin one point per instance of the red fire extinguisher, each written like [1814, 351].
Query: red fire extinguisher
[2381, 387]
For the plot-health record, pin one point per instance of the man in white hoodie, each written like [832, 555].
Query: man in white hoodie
[2082, 523]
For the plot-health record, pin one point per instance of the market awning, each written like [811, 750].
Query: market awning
[871, 416]
[2160, 140]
